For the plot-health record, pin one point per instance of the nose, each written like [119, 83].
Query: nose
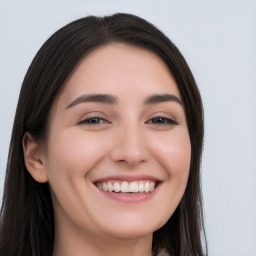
[130, 146]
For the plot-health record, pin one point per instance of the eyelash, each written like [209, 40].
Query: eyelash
[95, 120]
[159, 120]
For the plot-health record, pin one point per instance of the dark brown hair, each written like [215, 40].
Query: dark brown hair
[27, 219]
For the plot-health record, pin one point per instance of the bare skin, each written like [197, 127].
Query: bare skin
[133, 131]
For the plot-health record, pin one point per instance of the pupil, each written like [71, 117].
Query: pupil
[159, 120]
[94, 120]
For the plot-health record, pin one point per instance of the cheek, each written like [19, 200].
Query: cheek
[174, 153]
[74, 153]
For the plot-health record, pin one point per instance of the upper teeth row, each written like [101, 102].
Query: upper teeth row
[127, 187]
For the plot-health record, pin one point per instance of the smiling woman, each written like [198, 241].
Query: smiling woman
[111, 125]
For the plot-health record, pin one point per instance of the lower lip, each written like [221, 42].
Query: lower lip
[130, 198]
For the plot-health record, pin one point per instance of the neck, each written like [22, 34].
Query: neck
[102, 247]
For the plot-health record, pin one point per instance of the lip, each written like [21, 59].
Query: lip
[128, 178]
[129, 198]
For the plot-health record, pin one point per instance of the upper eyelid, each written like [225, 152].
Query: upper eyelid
[163, 114]
[93, 114]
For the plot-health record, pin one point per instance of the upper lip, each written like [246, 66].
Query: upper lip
[128, 178]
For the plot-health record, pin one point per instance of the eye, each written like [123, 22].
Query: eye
[95, 120]
[159, 120]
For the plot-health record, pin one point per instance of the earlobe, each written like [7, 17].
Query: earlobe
[34, 158]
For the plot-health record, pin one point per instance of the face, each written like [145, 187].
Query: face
[118, 152]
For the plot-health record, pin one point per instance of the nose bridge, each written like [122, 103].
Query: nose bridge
[130, 144]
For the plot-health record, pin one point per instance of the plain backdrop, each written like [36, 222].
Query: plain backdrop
[218, 40]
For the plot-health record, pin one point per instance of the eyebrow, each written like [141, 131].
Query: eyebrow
[100, 98]
[158, 98]
[112, 100]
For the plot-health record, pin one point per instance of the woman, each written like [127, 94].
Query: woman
[106, 146]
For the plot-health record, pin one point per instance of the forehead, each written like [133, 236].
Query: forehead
[118, 67]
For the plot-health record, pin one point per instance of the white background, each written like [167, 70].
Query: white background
[218, 39]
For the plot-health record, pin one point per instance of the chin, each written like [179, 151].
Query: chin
[134, 229]
[130, 234]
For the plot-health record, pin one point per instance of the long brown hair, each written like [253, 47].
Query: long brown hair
[27, 219]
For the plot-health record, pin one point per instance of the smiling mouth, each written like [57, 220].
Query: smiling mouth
[125, 187]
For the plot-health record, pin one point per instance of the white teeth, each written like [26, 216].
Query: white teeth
[124, 187]
[105, 187]
[141, 187]
[110, 187]
[127, 187]
[151, 186]
[146, 187]
[117, 187]
[134, 187]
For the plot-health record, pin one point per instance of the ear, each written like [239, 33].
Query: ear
[34, 158]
